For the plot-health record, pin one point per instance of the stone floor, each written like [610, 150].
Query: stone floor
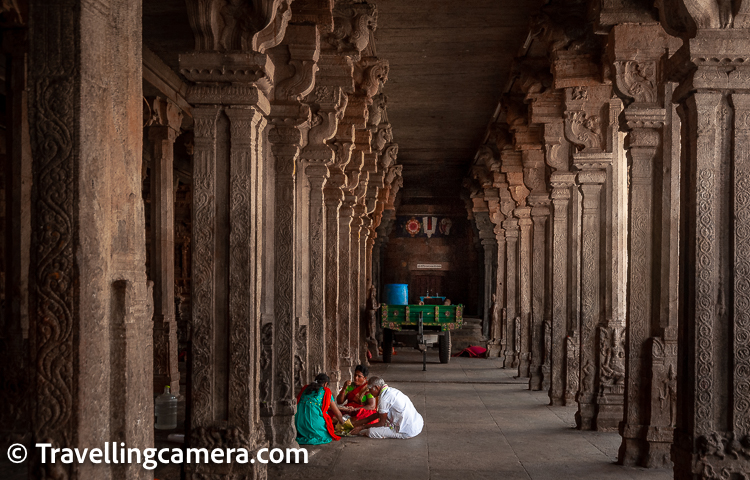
[480, 423]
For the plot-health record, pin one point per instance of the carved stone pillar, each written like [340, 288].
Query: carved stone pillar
[332, 197]
[540, 327]
[329, 102]
[559, 394]
[487, 236]
[651, 341]
[226, 147]
[162, 131]
[316, 174]
[285, 144]
[591, 295]
[524, 269]
[344, 303]
[354, 277]
[511, 288]
[90, 330]
[712, 434]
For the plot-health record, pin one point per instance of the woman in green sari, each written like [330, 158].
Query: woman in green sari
[315, 405]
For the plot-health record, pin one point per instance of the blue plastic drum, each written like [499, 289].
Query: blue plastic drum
[396, 294]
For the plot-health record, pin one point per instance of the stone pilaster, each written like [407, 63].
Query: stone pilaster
[163, 129]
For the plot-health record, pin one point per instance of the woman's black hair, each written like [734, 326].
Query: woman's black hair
[320, 379]
[362, 369]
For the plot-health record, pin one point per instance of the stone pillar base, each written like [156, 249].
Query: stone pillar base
[535, 381]
[557, 402]
[524, 365]
[495, 350]
[609, 413]
[511, 360]
[586, 414]
[284, 431]
[645, 446]
[546, 378]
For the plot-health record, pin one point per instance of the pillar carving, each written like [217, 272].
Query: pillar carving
[651, 346]
[713, 420]
[163, 128]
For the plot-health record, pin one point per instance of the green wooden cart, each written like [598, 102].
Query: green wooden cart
[425, 321]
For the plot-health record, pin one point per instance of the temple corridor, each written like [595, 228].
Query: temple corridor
[205, 205]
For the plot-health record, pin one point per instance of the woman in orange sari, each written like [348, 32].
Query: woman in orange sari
[357, 399]
[315, 405]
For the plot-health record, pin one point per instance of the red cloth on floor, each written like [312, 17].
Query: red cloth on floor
[472, 351]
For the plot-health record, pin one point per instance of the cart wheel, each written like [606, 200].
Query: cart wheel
[444, 343]
[387, 345]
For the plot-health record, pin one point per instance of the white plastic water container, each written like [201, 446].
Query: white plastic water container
[166, 410]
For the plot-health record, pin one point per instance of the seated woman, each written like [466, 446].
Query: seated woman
[315, 405]
[357, 400]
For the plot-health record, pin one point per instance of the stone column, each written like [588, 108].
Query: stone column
[354, 277]
[285, 146]
[162, 131]
[651, 345]
[344, 302]
[713, 371]
[487, 236]
[524, 269]
[316, 174]
[90, 329]
[591, 294]
[511, 296]
[540, 327]
[332, 196]
[224, 382]
[561, 186]
[317, 155]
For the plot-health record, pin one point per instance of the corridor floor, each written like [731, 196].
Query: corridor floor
[480, 423]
